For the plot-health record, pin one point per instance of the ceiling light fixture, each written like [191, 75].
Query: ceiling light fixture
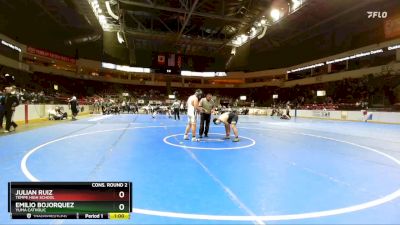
[110, 12]
[275, 14]
[120, 37]
[98, 13]
[295, 4]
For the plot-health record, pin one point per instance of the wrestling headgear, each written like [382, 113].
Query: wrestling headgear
[199, 93]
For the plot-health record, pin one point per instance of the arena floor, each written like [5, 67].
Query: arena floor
[300, 171]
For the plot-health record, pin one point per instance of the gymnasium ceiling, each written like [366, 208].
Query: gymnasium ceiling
[191, 27]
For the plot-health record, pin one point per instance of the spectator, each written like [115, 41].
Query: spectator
[60, 111]
[10, 101]
[74, 107]
[2, 110]
[57, 114]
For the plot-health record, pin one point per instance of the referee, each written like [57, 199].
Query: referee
[208, 107]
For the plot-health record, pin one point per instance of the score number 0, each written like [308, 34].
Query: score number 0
[121, 206]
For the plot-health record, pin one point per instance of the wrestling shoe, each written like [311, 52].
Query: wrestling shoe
[194, 139]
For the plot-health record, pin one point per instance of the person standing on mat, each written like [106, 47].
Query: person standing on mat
[192, 110]
[208, 106]
[2, 111]
[74, 107]
[175, 107]
[229, 119]
[286, 115]
[10, 101]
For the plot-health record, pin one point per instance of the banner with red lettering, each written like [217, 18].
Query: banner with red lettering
[52, 55]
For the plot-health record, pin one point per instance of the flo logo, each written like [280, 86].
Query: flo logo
[377, 14]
